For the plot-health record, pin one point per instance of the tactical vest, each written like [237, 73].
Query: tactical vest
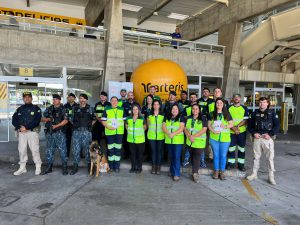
[194, 126]
[135, 131]
[237, 114]
[155, 131]
[264, 120]
[224, 136]
[173, 126]
[57, 115]
[115, 115]
[99, 109]
[83, 117]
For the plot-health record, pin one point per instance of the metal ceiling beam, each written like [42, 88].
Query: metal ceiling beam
[215, 17]
[226, 2]
[272, 55]
[290, 59]
[159, 6]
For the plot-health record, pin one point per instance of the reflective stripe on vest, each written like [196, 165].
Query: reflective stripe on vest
[189, 111]
[237, 114]
[135, 131]
[99, 110]
[172, 127]
[115, 114]
[155, 131]
[224, 136]
[200, 142]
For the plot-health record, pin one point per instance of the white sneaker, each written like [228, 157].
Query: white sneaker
[253, 176]
[38, 170]
[20, 171]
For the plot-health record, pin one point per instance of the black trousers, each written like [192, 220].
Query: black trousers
[136, 155]
[195, 156]
[69, 138]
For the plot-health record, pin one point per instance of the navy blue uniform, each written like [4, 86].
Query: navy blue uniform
[69, 127]
[27, 115]
[98, 128]
[56, 138]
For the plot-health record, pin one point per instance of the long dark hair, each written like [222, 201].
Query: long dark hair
[224, 110]
[199, 118]
[139, 108]
[169, 117]
[152, 109]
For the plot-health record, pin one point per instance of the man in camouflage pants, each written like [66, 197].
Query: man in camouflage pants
[55, 118]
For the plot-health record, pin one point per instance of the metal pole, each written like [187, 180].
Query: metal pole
[65, 83]
[253, 97]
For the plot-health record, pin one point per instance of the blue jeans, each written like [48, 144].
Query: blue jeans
[175, 156]
[220, 150]
[156, 147]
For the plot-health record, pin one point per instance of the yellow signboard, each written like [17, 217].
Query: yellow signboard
[3, 92]
[43, 16]
[26, 72]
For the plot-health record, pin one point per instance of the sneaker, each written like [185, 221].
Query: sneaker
[230, 166]
[20, 171]
[195, 177]
[253, 176]
[185, 163]
[176, 178]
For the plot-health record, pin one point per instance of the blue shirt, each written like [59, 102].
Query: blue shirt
[175, 36]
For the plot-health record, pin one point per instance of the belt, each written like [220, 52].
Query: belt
[82, 129]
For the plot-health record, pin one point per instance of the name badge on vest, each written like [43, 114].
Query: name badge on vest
[262, 115]
[114, 123]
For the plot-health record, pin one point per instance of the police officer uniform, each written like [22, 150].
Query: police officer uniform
[69, 127]
[98, 128]
[82, 136]
[263, 122]
[28, 116]
[56, 138]
[203, 103]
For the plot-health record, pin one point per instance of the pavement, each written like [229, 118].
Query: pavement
[144, 199]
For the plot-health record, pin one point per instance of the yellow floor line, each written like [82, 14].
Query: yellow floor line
[250, 189]
[270, 219]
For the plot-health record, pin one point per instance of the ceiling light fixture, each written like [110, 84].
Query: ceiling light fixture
[129, 7]
[177, 16]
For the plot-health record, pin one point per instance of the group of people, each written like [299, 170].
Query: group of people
[205, 129]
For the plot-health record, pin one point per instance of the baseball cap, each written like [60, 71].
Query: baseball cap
[27, 93]
[173, 93]
[84, 96]
[56, 96]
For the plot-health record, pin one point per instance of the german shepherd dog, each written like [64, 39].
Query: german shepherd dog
[98, 159]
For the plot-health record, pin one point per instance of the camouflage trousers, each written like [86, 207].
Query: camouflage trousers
[81, 140]
[56, 141]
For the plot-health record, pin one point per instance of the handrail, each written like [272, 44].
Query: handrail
[140, 38]
[53, 27]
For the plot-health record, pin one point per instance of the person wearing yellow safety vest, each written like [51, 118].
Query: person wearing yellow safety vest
[152, 90]
[122, 100]
[184, 99]
[195, 131]
[219, 123]
[240, 115]
[173, 126]
[136, 126]
[156, 136]
[98, 128]
[113, 121]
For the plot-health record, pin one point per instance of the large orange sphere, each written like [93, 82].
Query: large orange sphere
[164, 74]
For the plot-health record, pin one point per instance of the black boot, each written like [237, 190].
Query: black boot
[241, 167]
[75, 169]
[65, 169]
[47, 170]
[89, 168]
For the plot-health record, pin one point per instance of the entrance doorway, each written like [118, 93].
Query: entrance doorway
[41, 89]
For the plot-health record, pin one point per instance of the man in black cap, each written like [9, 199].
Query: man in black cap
[69, 106]
[26, 121]
[98, 128]
[82, 120]
[172, 100]
[56, 118]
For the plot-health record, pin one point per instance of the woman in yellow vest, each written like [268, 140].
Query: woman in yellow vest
[195, 131]
[156, 136]
[219, 124]
[136, 126]
[173, 126]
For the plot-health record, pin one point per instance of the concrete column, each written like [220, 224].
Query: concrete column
[114, 49]
[230, 36]
[297, 95]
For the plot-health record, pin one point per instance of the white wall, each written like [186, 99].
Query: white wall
[46, 7]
